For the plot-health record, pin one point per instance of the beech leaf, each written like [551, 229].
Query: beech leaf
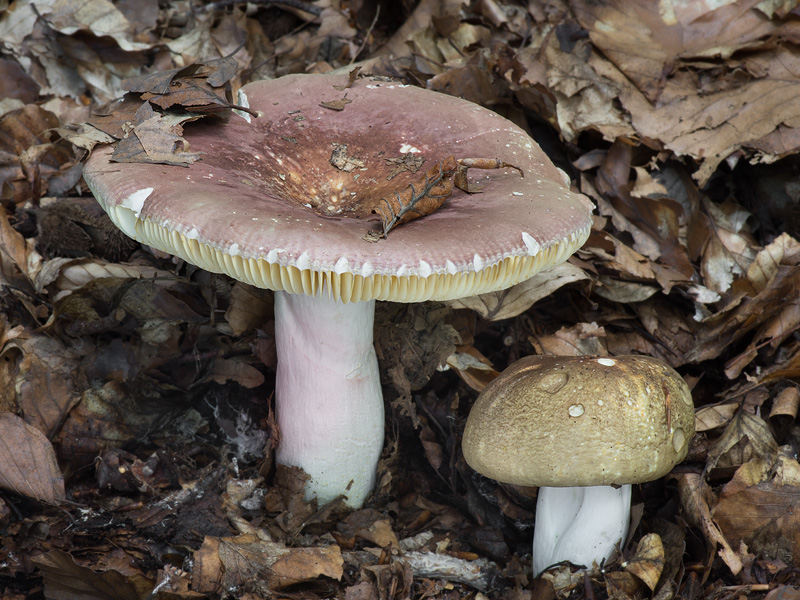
[28, 462]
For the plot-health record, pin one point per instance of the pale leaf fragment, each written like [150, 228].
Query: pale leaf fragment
[515, 300]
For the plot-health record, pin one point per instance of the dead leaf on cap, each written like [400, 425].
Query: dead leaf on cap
[429, 193]
[336, 104]
[406, 162]
[342, 161]
[157, 140]
[28, 462]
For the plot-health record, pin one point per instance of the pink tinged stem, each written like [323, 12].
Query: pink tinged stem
[579, 524]
[329, 402]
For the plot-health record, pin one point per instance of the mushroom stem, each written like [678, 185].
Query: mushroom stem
[329, 402]
[579, 524]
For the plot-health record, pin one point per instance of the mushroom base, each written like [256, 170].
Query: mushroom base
[329, 402]
[581, 525]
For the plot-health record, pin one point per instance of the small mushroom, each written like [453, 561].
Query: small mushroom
[271, 203]
[582, 429]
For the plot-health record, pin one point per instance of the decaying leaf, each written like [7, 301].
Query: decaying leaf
[28, 462]
[758, 507]
[233, 562]
[711, 417]
[648, 562]
[65, 578]
[746, 436]
[430, 192]
[695, 496]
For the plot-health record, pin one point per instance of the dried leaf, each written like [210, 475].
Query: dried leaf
[764, 517]
[515, 300]
[786, 403]
[711, 417]
[336, 104]
[430, 192]
[746, 436]
[233, 562]
[64, 579]
[229, 369]
[648, 562]
[28, 462]
[694, 494]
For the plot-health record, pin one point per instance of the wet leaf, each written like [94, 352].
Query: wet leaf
[28, 462]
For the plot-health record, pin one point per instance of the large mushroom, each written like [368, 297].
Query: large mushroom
[583, 429]
[274, 200]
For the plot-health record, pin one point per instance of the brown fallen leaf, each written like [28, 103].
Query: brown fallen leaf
[28, 462]
[711, 417]
[746, 436]
[695, 496]
[430, 192]
[648, 562]
[758, 507]
[235, 561]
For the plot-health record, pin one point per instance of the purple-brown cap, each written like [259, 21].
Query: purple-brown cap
[271, 200]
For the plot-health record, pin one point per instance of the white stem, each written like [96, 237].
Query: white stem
[579, 524]
[328, 395]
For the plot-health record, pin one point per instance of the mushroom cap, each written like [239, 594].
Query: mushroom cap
[573, 421]
[273, 201]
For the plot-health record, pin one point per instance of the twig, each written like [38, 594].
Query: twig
[367, 34]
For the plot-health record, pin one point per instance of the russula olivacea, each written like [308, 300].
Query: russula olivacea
[270, 203]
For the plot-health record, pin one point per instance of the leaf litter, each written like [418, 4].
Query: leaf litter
[132, 402]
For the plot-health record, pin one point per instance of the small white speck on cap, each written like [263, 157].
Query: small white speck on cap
[424, 269]
[409, 149]
[531, 244]
[234, 249]
[193, 234]
[607, 362]
[402, 271]
[272, 255]
[517, 194]
[478, 262]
